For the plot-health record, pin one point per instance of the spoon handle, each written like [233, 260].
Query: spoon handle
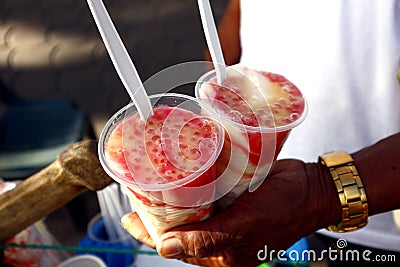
[120, 58]
[212, 39]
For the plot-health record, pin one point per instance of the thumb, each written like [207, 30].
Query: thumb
[201, 239]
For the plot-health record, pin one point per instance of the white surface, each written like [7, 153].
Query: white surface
[83, 261]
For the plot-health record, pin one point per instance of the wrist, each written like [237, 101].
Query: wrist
[324, 202]
[350, 190]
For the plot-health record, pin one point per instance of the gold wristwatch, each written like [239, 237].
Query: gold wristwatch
[350, 189]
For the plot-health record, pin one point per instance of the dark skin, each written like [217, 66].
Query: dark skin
[295, 200]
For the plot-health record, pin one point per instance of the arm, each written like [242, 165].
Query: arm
[379, 168]
[296, 200]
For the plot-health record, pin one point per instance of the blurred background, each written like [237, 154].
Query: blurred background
[52, 49]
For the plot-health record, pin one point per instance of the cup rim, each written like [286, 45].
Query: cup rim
[96, 219]
[77, 258]
[168, 185]
[208, 75]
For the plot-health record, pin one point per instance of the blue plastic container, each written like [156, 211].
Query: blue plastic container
[97, 238]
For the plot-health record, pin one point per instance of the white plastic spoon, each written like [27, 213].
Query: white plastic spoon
[120, 58]
[212, 39]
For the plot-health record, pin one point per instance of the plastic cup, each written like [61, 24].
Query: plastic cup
[166, 163]
[257, 121]
[97, 237]
[83, 261]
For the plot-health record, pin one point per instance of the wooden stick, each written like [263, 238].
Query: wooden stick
[76, 170]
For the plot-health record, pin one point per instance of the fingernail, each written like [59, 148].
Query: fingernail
[126, 222]
[171, 248]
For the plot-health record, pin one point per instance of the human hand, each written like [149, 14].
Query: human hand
[290, 204]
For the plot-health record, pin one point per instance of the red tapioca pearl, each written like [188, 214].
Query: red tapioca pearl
[287, 120]
[277, 106]
[183, 146]
[297, 105]
[283, 102]
[172, 131]
[294, 116]
[276, 111]
[292, 97]
[221, 98]
[127, 175]
[286, 89]
[207, 130]
[136, 167]
[138, 132]
[250, 120]
[195, 153]
[273, 77]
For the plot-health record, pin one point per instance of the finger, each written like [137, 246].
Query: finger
[132, 223]
[216, 260]
[213, 261]
[230, 257]
[201, 239]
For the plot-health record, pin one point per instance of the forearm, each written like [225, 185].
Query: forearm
[379, 169]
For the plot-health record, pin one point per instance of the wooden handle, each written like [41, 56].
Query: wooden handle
[76, 170]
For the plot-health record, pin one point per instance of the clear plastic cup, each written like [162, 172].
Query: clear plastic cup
[167, 163]
[257, 121]
[83, 261]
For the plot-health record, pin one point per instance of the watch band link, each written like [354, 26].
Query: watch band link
[352, 196]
